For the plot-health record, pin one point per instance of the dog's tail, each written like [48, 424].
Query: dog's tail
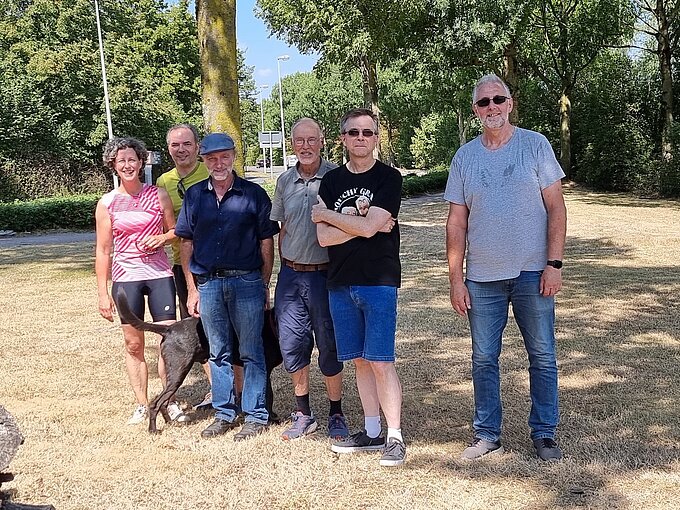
[128, 316]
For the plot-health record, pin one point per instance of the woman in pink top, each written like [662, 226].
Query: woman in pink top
[134, 222]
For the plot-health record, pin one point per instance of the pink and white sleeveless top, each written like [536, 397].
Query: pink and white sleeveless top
[133, 218]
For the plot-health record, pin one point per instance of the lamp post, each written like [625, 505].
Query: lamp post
[106, 88]
[264, 151]
[283, 130]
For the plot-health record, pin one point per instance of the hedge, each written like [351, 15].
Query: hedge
[76, 212]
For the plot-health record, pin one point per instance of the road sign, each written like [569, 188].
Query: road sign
[270, 139]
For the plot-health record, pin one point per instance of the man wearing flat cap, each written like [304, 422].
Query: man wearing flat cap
[228, 248]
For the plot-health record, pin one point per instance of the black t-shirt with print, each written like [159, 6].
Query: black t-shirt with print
[364, 261]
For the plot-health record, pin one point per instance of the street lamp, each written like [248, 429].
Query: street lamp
[106, 88]
[264, 151]
[283, 130]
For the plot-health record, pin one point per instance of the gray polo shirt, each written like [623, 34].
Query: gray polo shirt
[292, 205]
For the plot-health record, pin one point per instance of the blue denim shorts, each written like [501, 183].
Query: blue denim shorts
[365, 320]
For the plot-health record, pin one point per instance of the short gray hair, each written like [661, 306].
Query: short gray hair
[188, 126]
[114, 145]
[355, 113]
[489, 79]
[304, 120]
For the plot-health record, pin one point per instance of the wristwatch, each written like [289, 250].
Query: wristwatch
[557, 264]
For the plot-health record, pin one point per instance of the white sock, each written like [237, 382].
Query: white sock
[394, 433]
[372, 426]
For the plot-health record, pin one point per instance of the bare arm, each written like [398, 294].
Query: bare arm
[186, 250]
[456, 236]
[158, 241]
[551, 281]
[340, 228]
[102, 262]
[267, 250]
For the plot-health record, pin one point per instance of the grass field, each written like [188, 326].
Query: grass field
[63, 378]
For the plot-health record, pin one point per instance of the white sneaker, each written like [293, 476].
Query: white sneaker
[176, 413]
[138, 416]
[207, 401]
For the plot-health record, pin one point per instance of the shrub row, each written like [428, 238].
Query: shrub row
[76, 212]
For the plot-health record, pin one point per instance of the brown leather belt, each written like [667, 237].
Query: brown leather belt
[305, 267]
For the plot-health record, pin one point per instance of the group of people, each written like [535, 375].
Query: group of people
[338, 244]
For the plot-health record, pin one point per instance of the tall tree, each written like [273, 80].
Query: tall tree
[566, 38]
[216, 21]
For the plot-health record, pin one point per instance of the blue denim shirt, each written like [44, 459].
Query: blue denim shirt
[226, 235]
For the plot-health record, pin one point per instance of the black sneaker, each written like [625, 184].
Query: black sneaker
[480, 447]
[250, 429]
[547, 449]
[358, 442]
[394, 453]
[217, 428]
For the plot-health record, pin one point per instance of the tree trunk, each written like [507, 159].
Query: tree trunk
[511, 77]
[369, 84]
[219, 71]
[462, 127]
[664, 52]
[565, 133]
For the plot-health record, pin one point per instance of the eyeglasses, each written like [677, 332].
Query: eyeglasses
[485, 101]
[367, 133]
[300, 142]
[181, 189]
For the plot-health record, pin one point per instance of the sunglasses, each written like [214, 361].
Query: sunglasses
[181, 189]
[144, 248]
[485, 101]
[367, 133]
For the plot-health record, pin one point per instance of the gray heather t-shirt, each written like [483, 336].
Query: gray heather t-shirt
[508, 223]
[292, 205]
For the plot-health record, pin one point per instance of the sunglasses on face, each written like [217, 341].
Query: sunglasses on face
[181, 189]
[367, 133]
[485, 101]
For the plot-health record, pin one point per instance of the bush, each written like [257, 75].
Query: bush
[432, 181]
[73, 213]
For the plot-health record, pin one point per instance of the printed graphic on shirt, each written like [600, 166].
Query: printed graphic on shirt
[354, 201]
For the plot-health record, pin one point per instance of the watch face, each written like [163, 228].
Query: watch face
[557, 264]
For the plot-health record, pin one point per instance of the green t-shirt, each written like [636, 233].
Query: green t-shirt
[170, 181]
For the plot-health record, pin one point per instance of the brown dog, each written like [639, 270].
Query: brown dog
[185, 343]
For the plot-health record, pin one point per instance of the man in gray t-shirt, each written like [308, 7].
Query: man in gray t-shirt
[301, 299]
[507, 212]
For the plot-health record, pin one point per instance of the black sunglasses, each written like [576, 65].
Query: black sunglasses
[181, 189]
[485, 101]
[355, 132]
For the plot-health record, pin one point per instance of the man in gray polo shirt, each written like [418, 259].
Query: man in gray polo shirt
[301, 298]
[507, 209]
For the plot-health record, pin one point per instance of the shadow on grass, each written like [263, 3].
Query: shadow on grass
[618, 354]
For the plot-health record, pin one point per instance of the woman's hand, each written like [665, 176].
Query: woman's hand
[106, 307]
[153, 243]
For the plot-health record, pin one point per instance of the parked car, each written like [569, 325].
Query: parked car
[260, 163]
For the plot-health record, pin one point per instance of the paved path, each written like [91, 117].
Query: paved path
[51, 238]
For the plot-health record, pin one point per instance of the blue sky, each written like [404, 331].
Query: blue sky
[261, 50]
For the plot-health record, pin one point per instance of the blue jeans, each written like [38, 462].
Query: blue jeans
[535, 316]
[365, 321]
[228, 305]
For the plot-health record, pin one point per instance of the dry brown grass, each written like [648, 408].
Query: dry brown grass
[619, 343]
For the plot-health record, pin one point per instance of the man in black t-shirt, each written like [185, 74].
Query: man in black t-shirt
[356, 218]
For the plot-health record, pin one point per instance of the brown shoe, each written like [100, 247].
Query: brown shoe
[217, 428]
[249, 429]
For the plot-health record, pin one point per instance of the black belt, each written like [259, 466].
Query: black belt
[305, 267]
[226, 273]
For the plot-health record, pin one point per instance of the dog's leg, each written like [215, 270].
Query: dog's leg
[175, 374]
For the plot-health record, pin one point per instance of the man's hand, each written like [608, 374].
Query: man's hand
[551, 281]
[388, 226]
[193, 303]
[318, 210]
[460, 298]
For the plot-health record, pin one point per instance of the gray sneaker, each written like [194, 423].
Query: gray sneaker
[358, 442]
[547, 449]
[480, 447]
[302, 425]
[394, 453]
